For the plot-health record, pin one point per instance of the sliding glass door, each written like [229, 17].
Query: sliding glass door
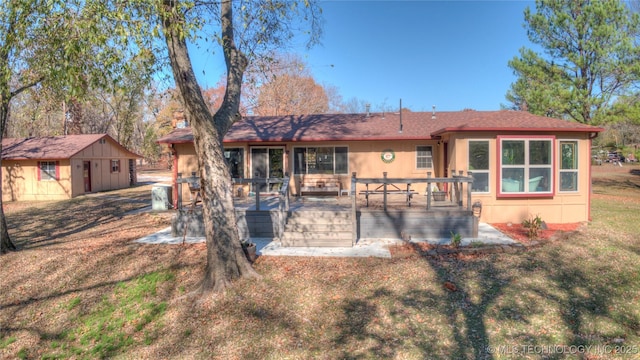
[267, 163]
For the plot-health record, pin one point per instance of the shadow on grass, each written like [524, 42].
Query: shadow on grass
[580, 303]
[586, 293]
[362, 316]
[83, 308]
[604, 185]
[622, 181]
[568, 292]
[462, 308]
[42, 226]
[472, 287]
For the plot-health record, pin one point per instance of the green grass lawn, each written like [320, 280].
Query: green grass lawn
[576, 298]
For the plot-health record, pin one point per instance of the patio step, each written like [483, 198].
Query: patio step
[321, 214]
[317, 239]
[318, 229]
[318, 221]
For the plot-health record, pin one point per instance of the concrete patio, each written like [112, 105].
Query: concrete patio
[367, 247]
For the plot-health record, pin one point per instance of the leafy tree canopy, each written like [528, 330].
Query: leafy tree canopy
[590, 58]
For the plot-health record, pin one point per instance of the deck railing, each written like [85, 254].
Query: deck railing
[385, 186]
[283, 206]
[283, 197]
[256, 182]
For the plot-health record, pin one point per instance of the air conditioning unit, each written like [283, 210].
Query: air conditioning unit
[161, 198]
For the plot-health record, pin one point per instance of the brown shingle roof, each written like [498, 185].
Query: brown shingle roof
[51, 147]
[379, 126]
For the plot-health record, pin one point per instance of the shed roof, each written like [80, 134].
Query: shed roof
[52, 147]
[382, 126]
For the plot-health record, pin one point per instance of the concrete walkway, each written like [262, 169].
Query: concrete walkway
[367, 247]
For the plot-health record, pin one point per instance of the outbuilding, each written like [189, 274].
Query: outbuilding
[63, 167]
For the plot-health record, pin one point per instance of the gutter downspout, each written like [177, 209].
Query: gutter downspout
[591, 137]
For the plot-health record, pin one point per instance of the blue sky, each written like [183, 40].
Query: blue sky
[451, 54]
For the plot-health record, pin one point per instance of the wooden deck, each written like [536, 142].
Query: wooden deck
[386, 208]
[329, 220]
[400, 219]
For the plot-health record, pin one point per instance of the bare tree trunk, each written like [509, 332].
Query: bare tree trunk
[226, 260]
[5, 241]
[6, 244]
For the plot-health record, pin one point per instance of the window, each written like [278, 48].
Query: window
[479, 165]
[424, 157]
[48, 170]
[568, 166]
[115, 166]
[235, 161]
[526, 165]
[321, 160]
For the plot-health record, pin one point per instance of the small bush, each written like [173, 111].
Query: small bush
[456, 238]
[533, 226]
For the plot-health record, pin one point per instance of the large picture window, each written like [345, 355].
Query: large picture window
[321, 160]
[526, 165]
[48, 170]
[568, 165]
[234, 158]
[424, 157]
[479, 165]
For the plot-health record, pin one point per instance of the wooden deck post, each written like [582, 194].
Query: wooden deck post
[179, 186]
[257, 194]
[469, 186]
[354, 219]
[384, 190]
[428, 190]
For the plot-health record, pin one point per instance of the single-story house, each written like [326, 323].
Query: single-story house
[62, 167]
[522, 165]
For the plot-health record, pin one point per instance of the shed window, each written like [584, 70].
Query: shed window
[115, 166]
[48, 170]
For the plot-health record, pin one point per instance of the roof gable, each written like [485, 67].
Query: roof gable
[52, 147]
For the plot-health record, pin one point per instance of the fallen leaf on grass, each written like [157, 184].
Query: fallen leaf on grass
[450, 286]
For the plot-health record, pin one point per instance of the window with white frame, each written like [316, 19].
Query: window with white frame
[48, 170]
[321, 160]
[479, 165]
[526, 165]
[568, 165]
[424, 157]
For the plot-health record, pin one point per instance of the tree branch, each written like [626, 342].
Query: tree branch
[17, 91]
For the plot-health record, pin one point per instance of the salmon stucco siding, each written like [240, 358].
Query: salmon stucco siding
[523, 165]
[560, 205]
